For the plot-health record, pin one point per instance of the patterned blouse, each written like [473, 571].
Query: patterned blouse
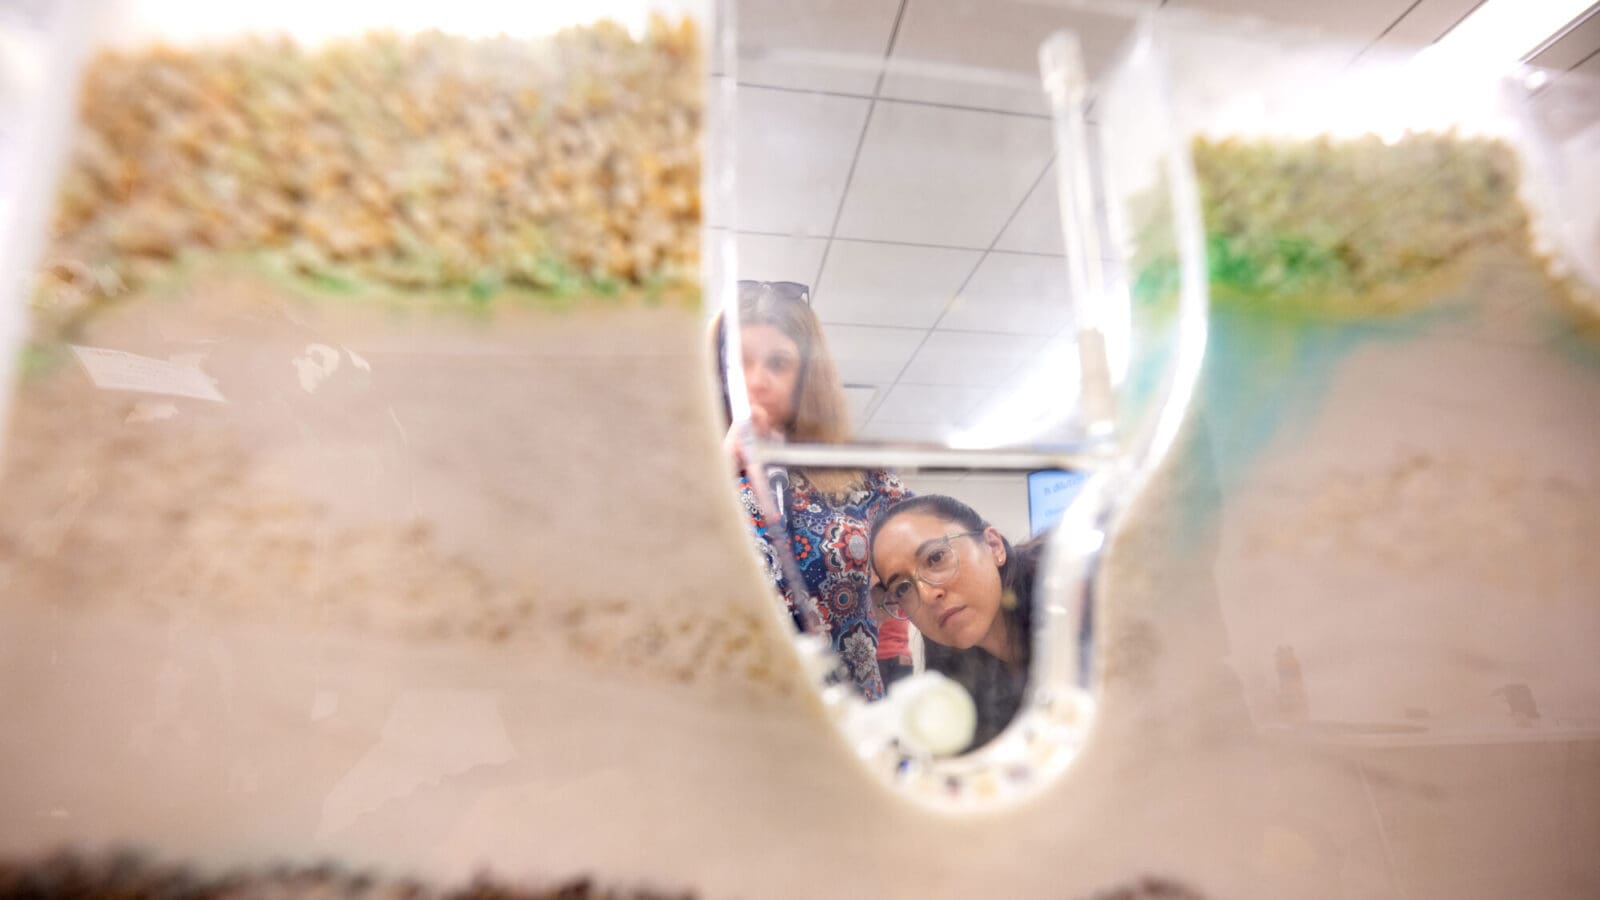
[828, 536]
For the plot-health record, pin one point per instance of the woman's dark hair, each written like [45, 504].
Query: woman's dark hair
[1016, 573]
[996, 688]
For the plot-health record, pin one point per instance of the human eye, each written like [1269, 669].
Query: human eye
[936, 557]
[900, 590]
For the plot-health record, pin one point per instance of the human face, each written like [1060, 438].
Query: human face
[771, 376]
[963, 612]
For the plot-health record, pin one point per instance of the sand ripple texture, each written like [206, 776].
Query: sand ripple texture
[427, 478]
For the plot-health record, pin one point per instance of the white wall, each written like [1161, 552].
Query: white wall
[1000, 497]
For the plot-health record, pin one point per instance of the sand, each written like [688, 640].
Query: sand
[487, 603]
[505, 479]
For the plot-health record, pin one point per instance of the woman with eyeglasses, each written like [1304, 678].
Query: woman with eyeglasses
[938, 564]
[795, 396]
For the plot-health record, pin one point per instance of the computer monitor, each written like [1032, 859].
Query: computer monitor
[1050, 492]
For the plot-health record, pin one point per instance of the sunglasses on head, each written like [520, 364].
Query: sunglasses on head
[783, 290]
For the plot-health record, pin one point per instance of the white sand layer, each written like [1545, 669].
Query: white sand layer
[487, 602]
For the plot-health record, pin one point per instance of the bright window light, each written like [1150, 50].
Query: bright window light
[1503, 32]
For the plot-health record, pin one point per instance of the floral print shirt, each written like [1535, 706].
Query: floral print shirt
[828, 540]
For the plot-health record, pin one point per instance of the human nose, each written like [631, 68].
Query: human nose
[755, 380]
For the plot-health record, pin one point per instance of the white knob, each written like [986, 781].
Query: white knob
[937, 715]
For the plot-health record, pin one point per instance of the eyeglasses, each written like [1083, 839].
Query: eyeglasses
[783, 290]
[937, 565]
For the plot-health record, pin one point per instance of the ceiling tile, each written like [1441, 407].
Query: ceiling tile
[859, 401]
[794, 152]
[998, 42]
[1017, 294]
[1357, 19]
[1037, 225]
[1573, 48]
[917, 404]
[767, 257]
[1040, 397]
[867, 283]
[1423, 24]
[848, 38]
[969, 358]
[931, 175]
[902, 433]
[866, 355]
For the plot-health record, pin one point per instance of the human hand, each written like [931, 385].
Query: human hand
[760, 426]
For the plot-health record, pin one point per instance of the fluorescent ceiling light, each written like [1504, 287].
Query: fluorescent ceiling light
[1506, 31]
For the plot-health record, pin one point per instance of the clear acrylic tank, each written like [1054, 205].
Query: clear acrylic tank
[367, 498]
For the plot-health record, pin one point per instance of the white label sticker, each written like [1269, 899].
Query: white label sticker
[115, 370]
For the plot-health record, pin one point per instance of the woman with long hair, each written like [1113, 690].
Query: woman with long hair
[938, 564]
[795, 396]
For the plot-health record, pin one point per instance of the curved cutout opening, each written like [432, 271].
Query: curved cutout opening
[935, 423]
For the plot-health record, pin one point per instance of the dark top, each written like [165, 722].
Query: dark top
[997, 688]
